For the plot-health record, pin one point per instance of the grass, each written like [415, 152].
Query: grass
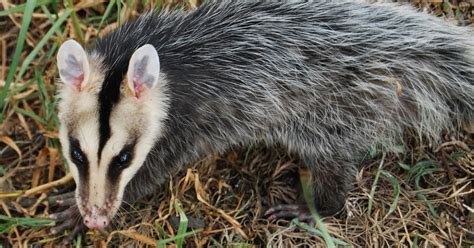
[308, 196]
[8, 223]
[422, 196]
[183, 226]
[16, 57]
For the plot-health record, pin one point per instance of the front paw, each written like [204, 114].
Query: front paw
[69, 219]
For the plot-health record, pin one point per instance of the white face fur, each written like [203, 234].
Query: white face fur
[102, 172]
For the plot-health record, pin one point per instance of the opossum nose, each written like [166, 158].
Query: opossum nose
[96, 222]
[96, 219]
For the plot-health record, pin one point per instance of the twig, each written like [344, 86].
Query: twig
[136, 236]
[36, 190]
[64, 180]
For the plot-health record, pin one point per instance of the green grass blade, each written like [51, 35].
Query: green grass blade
[52, 19]
[308, 196]
[22, 7]
[416, 172]
[78, 241]
[404, 166]
[107, 12]
[163, 242]
[30, 114]
[415, 242]
[52, 51]
[48, 106]
[47, 13]
[396, 187]
[311, 229]
[7, 223]
[56, 26]
[183, 224]
[17, 90]
[119, 12]
[458, 155]
[373, 151]
[55, 8]
[417, 168]
[160, 229]
[43, 95]
[30, 6]
[75, 21]
[158, 6]
[423, 197]
[374, 185]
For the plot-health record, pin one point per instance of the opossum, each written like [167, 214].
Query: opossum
[325, 80]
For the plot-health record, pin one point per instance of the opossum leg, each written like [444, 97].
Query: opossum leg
[66, 199]
[76, 231]
[64, 215]
[69, 219]
[289, 211]
[329, 185]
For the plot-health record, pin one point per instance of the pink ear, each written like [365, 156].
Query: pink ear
[73, 64]
[143, 70]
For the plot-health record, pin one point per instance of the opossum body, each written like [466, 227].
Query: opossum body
[324, 79]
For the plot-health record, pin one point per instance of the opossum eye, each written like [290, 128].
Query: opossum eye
[77, 156]
[123, 159]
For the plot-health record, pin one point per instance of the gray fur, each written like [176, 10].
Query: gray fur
[324, 79]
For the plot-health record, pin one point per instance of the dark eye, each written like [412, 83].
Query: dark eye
[124, 158]
[77, 156]
[120, 162]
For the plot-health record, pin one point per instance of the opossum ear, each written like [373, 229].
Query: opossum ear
[73, 64]
[143, 70]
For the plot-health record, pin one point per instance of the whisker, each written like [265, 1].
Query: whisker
[131, 206]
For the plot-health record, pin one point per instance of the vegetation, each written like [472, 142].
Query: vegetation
[422, 196]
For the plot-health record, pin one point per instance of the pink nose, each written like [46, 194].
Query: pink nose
[95, 219]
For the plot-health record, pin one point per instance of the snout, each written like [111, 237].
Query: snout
[96, 218]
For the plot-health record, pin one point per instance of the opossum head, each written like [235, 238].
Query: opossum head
[110, 121]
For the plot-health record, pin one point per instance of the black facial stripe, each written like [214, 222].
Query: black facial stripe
[118, 164]
[109, 95]
[82, 165]
[115, 57]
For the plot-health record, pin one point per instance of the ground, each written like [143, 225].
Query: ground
[421, 196]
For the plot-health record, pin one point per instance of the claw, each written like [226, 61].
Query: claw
[67, 202]
[79, 228]
[67, 224]
[64, 215]
[288, 212]
[69, 219]
[282, 207]
[66, 199]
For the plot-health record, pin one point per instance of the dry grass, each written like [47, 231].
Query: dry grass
[421, 197]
